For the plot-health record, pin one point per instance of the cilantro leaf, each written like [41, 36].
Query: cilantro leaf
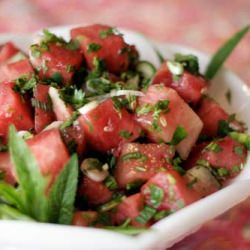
[32, 185]
[223, 53]
[63, 192]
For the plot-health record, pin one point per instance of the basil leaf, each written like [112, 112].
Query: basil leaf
[223, 52]
[32, 185]
[10, 213]
[10, 195]
[63, 192]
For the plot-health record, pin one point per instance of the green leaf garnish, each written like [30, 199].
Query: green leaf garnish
[32, 185]
[62, 194]
[10, 195]
[10, 213]
[223, 53]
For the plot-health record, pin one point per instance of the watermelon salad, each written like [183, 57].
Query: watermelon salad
[93, 136]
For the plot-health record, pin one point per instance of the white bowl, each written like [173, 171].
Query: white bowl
[15, 235]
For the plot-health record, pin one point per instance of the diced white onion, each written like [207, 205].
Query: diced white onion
[25, 134]
[88, 107]
[175, 68]
[117, 93]
[55, 124]
[96, 174]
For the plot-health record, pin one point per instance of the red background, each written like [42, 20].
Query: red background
[197, 23]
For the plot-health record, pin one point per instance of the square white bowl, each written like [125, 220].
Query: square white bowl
[16, 235]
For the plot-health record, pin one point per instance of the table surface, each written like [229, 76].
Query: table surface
[204, 25]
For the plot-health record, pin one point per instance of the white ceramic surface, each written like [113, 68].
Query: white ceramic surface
[34, 236]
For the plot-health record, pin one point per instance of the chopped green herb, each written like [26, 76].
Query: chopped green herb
[223, 53]
[128, 230]
[35, 51]
[57, 77]
[70, 121]
[92, 47]
[236, 169]
[146, 108]
[159, 108]
[111, 183]
[49, 37]
[41, 105]
[125, 134]
[146, 215]
[222, 172]
[162, 214]
[111, 204]
[73, 44]
[224, 128]
[72, 95]
[105, 33]
[134, 185]
[179, 135]
[69, 68]
[176, 166]
[238, 150]
[156, 195]
[203, 163]
[24, 84]
[189, 62]
[241, 138]
[119, 103]
[214, 147]
[134, 155]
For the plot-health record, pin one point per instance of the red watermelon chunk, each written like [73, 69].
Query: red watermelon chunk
[139, 162]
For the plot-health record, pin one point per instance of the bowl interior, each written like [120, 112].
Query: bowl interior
[169, 230]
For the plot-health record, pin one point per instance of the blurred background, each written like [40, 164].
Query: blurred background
[198, 23]
[201, 24]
